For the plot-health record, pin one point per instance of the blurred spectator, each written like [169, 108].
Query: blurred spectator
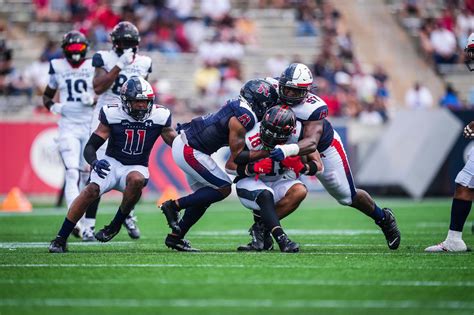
[52, 10]
[246, 30]
[364, 84]
[450, 99]
[345, 45]
[325, 93]
[306, 18]
[464, 26]
[444, 45]
[418, 97]
[214, 11]
[51, 51]
[369, 115]
[12, 81]
[36, 76]
[182, 8]
[206, 79]
[276, 64]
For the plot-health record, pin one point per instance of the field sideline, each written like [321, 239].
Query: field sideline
[344, 266]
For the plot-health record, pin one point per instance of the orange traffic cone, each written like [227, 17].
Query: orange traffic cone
[16, 202]
[169, 193]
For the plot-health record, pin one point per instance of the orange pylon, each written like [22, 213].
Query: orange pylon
[16, 201]
[170, 192]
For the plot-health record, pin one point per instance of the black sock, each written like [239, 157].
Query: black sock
[66, 228]
[257, 217]
[201, 197]
[91, 212]
[277, 232]
[459, 211]
[190, 217]
[267, 210]
[118, 219]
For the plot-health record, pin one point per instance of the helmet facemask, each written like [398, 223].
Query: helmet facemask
[75, 47]
[124, 36]
[138, 114]
[291, 95]
[137, 89]
[277, 126]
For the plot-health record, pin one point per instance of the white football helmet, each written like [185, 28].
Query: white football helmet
[294, 84]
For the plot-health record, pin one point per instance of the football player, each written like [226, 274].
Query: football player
[201, 137]
[72, 77]
[273, 191]
[132, 129]
[112, 69]
[464, 192]
[318, 134]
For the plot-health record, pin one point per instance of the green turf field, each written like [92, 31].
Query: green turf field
[344, 266]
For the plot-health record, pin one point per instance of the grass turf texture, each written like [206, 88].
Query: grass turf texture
[344, 266]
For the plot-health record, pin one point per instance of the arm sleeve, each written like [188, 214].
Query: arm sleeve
[94, 143]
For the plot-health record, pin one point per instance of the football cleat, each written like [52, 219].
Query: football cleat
[449, 245]
[286, 245]
[390, 229]
[181, 245]
[58, 245]
[131, 226]
[261, 239]
[88, 234]
[171, 212]
[107, 233]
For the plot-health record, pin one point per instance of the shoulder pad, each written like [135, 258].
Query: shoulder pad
[160, 115]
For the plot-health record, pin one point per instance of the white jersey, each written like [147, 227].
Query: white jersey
[71, 83]
[141, 67]
[312, 108]
[254, 143]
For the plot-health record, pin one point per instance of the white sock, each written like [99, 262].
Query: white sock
[454, 235]
[88, 222]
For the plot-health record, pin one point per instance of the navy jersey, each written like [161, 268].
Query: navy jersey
[131, 141]
[209, 133]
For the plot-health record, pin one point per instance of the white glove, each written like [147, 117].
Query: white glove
[87, 99]
[57, 108]
[127, 58]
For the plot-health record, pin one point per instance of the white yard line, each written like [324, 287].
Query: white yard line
[214, 266]
[12, 245]
[346, 283]
[240, 303]
[290, 232]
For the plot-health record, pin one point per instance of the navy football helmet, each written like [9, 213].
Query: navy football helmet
[260, 95]
[75, 46]
[294, 84]
[137, 89]
[277, 125]
[124, 36]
